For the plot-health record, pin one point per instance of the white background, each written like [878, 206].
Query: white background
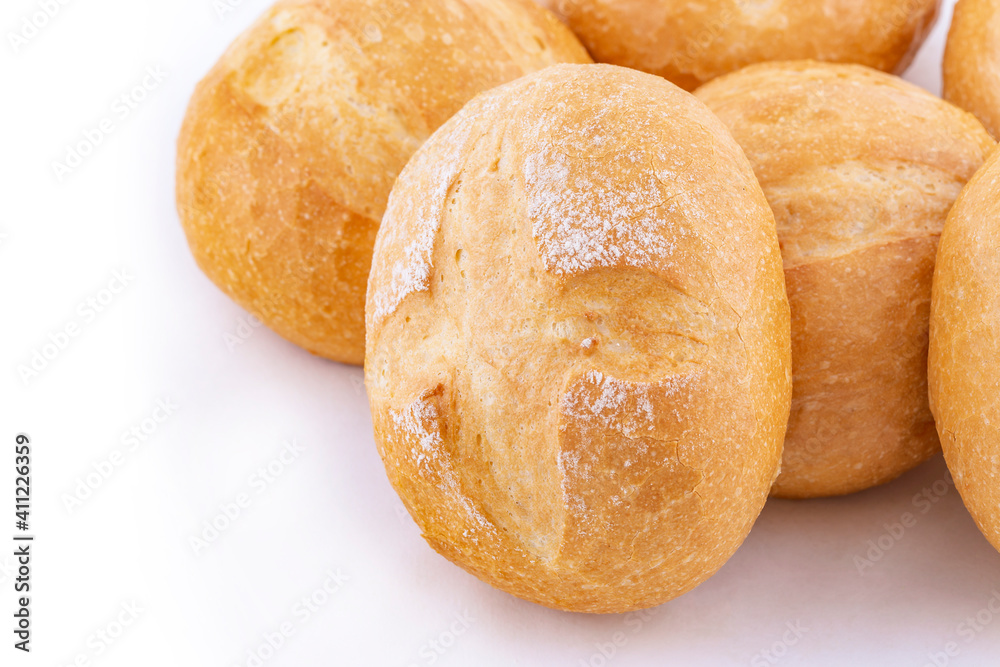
[331, 508]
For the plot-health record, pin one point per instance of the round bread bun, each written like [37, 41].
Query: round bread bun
[691, 43]
[578, 340]
[972, 61]
[860, 169]
[964, 362]
[292, 142]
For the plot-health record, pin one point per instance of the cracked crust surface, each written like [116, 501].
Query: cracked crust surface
[964, 361]
[972, 61]
[861, 169]
[690, 43]
[292, 142]
[578, 349]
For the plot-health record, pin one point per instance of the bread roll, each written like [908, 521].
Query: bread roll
[578, 354]
[972, 61]
[690, 43]
[293, 140]
[861, 169]
[964, 360]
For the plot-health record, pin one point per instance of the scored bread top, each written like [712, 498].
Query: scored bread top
[578, 340]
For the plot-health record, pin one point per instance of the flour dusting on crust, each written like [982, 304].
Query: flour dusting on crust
[411, 223]
[611, 415]
[619, 404]
[580, 217]
[418, 424]
[411, 420]
[613, 396]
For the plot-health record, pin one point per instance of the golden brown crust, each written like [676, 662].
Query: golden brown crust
[860, 169]
[578, 340]
[690, 43]
[964, 361]
[293, 140]
[972, 61]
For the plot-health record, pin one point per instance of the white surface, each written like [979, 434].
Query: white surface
[331, 508]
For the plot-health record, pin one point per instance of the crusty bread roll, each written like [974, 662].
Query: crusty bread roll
[690, 43]
[578, 340]
[292, 142]
[964, 362]
[861, 169]
[972, 61]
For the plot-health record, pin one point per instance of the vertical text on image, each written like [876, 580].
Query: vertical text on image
[22, 542]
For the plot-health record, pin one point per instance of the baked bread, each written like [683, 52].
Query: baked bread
[972, 61]
[578, 353]
[861, 169]
[690, 43]
[293, 140]
[964, 361]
